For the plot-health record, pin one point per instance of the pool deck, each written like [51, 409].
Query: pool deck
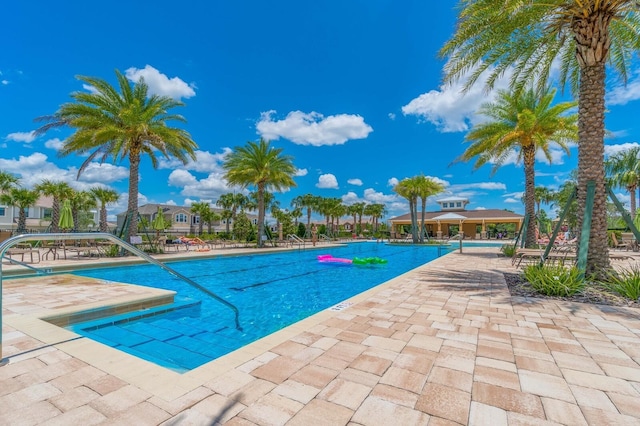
[442, 344]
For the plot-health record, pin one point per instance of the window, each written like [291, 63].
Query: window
[255, 221]
[452, 205]
[195, 220]
[181, 218]
[2, 211]
[459, 204]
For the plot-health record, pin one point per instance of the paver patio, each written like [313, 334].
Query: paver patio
[442, 344]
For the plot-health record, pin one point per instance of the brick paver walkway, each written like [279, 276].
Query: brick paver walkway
[443, 344]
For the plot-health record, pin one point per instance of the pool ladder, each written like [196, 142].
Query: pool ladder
[7, 244]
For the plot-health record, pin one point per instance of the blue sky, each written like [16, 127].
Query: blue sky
[352, 90]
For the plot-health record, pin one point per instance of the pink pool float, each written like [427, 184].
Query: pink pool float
[327, 258]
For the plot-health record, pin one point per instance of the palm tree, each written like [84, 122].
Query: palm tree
[308, 201]
[406, 189]
[528, 38]
[425, 188]
[122, 125]
[21, 198]
[59, 191]
[104, 196]
[623, 169]
[542, 194]
[200, 209]
[7, 181]
[209, 216]
[232, 202]
[357, 209]
[376, 211]
[81, 202]
[260, 165]
[527, 123]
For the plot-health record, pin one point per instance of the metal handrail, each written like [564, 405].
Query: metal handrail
[7, 244]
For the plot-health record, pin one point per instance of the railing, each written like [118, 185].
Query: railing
[7, 244]
[296, 240]
[324, 238]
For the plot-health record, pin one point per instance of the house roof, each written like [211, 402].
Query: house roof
[489, 214]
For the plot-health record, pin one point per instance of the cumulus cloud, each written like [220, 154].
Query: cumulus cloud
[480, 208]
[313, 128]
[374, 197]
[327, 181]
[301, 172]
[392, 182]
[26, 137]
[5, 82]
[392, 116]
[356, 182]
[160, 84]
[610, 150]
[205, 162]
[210, 187]
[452, 110]
[55, 144]
[622, 94]
[513, 200]
[350, 198]
[36, 167]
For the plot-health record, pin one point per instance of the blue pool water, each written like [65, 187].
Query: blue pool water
[271, 292]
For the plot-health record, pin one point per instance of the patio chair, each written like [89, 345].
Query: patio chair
[21, 250]
[618, 245]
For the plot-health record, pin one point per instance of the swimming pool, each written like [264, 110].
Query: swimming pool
[271, 292]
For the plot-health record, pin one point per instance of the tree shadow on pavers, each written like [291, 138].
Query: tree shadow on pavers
[573, 307]
[217, 420]
[481, 283]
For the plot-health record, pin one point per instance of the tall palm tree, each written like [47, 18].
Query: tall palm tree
[528, 38]
[376, 211]
[623, 170]
[7, 181]
[21, 198]
[209, 216]
[406, 189]
[231, 201]
[200, 209]
[308, 201]
[104, 196]
[358, 210]
[542, 194]
[118, 125]
[425, 188]
[58, 190]
[524, 122]
[260, 165]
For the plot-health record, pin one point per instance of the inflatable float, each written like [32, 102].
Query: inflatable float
[368, 261]
[327, 258]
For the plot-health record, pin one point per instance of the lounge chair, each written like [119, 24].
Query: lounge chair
[618, 245]
[21, 250]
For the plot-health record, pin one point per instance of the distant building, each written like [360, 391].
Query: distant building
[453, 219]
[38, 216]
[183, 221]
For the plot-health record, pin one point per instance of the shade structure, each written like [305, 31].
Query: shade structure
[158, 223]
[66, 217]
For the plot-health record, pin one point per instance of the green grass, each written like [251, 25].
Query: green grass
[625, 282]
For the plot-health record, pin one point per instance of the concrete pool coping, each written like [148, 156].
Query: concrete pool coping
[444, 343]
[158, 380]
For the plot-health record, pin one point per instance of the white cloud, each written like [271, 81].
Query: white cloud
[313, 128]
[301, 172]
[55, 144]
[350, 198]
[392, 182]
[512, 200]
[328, 181]
[5, 82]
[480, 208]
[356, 182]
[622, 94]
[610, 150]
[375, 197]
[105, 173]
[26, 137]
[392, 116]
[160, 84]
[210, 187]
[451, 110]
[205, 162]
[170, 203]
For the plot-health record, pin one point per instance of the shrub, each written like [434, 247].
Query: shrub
[626, 282]
[554, 280]
[508, 250]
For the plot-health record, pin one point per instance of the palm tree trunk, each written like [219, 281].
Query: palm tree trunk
[591, 110]
[22, 221]
[55, 214]
[260, 214]
[103, 218]
[632, 201]
[132, 203]
[529, 159]
[424, 206]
